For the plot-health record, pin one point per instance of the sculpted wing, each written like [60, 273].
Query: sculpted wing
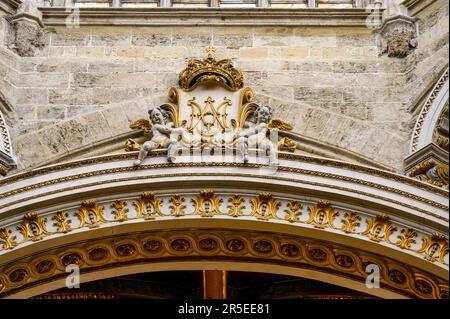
[279, 124]
[141, 124]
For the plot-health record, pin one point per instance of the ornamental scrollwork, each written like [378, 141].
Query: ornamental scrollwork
[379, 228]
[406, 238]
[148, 206]
[62, 222]
[207, 204]
[257, 247]
[226, 118]
[350, 222]
[321, 215]
[265, 206]
[177, 207]
[120, 211]
[6, 239]
[293, 211]
[434, 247]
[90, 214]
[33, 227]
[236, 208]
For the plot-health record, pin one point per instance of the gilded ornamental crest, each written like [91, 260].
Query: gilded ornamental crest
[211, 109]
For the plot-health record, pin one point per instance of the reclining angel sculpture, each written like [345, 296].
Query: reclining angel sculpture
[163, 135]
[255, 131]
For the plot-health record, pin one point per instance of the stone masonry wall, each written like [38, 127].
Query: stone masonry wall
[89, 83]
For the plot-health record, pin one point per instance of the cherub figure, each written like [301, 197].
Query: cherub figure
[164, 135]
[254, 135]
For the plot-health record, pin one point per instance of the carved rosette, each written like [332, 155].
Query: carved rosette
[397, 37]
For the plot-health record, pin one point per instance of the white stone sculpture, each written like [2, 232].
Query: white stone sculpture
[163, 135]
[254, 135]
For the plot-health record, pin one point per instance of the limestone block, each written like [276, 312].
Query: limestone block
[115, 95]
[51, 112]
[170, 52]
[61, 65]
[193, 37]
[58, 51]
[315, 122]
[24, 112]
[117, 120]
[70, 37]
[145, 37]
[253, 53]
[130, 52]
[116, 65]
[71, 96]
[160, 64]
[137, 109]
[306, 66]
[248, 65]
[31, 96]
[96, 52]
[52, 138]
[39, 80]
[234, 37]
[318, 94]
[110, 37]
[295, 53]
[29, 150]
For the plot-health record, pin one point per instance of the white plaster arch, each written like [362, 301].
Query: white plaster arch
[429, 114]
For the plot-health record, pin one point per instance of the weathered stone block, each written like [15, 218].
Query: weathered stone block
[70, 37]
[31, 96]
[254, 53]
[72, 96]
[151, 38]
[51, 112]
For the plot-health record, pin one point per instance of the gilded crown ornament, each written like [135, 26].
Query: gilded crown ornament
[211, 71]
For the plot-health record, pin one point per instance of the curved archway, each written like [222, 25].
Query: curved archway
[337, 217]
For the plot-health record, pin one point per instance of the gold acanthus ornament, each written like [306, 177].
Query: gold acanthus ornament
[431, 172]
[207, 203]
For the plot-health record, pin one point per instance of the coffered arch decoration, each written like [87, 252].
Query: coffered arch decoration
[232, 250]
[313, 217]
[428, 159]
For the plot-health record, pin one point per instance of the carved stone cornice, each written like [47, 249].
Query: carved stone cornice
[210, 16]
[9, 6]
[416, 6]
